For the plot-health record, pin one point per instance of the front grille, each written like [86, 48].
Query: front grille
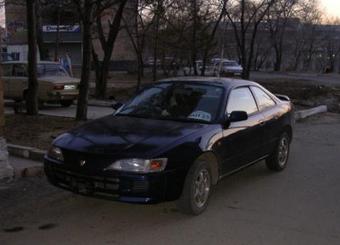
[84, 183]
[140, 186]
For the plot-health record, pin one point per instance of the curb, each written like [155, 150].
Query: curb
[310, 112]
[30, 153]
[100, 103]
[26, 152]
[31, 171]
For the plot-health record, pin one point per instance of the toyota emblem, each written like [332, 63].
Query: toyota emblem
[82, 163]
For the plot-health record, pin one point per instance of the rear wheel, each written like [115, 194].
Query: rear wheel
[278, 160]
[197, 189]
[66, 103]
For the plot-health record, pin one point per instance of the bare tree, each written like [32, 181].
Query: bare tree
[305, 39]
[31, 95]
[221, 7]
[115, 11]
[158, 11]
[245, 18]
[137, 31]
[86, 11]
[277, 20]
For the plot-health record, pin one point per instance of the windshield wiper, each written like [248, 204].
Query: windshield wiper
[133, 115]
[183, 119]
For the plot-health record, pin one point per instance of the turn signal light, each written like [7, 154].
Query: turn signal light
[156, 165]
[59, 87]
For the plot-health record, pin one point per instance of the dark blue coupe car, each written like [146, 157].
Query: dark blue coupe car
[174, 140]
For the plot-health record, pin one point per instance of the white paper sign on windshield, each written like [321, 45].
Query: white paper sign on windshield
[200, 115]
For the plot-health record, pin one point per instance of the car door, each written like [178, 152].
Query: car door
[242, 141]
[19, 81]
[268, 108]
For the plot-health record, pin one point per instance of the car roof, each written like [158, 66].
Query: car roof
[228, 83]
[25, 62]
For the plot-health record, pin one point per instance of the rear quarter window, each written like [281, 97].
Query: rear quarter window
[263, 99]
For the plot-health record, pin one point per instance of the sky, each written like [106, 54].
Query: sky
[332, 7]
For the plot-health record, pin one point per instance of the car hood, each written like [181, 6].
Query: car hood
[60, 79]
[125, 135]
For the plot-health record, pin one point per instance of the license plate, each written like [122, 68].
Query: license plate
[70, 87]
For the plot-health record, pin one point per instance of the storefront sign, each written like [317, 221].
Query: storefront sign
[62, 28]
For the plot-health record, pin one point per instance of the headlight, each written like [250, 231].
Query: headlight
[139, 165]
[55, 153]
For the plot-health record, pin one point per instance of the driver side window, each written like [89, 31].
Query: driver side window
[241, 99]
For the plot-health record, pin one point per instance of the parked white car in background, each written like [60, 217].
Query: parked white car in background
[227, 67]
[217, 66]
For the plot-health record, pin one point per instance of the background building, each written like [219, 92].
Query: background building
[65, 39]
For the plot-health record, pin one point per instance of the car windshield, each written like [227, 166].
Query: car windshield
[51, 70]
[176, 101]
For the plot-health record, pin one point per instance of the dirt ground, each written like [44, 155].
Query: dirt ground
[36, 131]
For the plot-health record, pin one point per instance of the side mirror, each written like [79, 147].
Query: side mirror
[238, 116]
[117, 106]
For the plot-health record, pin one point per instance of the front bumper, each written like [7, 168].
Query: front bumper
[119, 186]
[61, 96]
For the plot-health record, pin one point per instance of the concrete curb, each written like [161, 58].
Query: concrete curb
[99, 103]
[30, 153]
[26, 152]
[310, 112]
[29, 171]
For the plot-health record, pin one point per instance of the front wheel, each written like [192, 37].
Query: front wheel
[66, 103]
[196, 190]
[278, 160]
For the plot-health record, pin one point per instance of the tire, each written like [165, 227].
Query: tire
[66, 103]
[41, 104]
[197, 189]
[24, 95]
[278, 160]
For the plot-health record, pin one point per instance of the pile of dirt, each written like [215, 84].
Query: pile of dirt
[305, 94]
[36, 131]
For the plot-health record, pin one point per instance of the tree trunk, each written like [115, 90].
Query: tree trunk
[155, 48]
[86, 63]
[278, 61]
[102, 70]
[57, 39]
[140, 71]
[42, 50]
[31, 96]
[194, 34]
[101, 77]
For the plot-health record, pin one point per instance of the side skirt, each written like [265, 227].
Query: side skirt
[243, 167]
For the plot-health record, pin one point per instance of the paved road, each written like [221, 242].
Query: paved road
[298, 206]
[55, 110]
